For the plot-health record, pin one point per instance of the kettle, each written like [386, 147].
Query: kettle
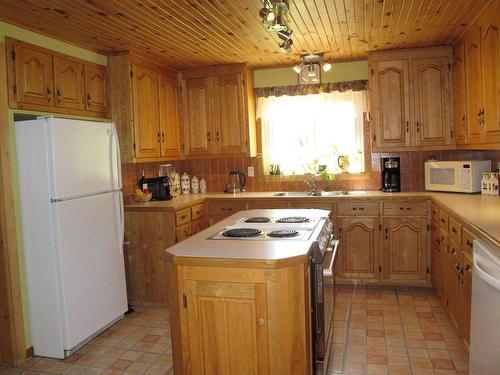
[236, 182]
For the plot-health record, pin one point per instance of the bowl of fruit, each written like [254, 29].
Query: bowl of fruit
[141, 196]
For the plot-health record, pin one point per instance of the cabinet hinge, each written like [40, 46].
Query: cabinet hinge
[379, 268]
[184, 301]
[14, 89]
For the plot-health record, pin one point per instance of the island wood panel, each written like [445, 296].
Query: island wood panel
[149, 234]
[231, 31]
[69, 82]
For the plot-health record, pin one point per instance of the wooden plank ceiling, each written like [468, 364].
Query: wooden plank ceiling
[193, 33]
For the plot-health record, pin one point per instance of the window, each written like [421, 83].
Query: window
[301, 132]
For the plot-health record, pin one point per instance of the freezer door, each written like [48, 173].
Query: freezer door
[84, 157]
[91, 264]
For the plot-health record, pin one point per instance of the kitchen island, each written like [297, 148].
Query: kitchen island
[242, 306]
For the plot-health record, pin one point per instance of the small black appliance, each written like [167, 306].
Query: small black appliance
[391, 174]
[158, 186]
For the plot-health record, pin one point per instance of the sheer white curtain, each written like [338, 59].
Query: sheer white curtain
[297, 130]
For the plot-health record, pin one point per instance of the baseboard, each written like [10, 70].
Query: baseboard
[30, 352]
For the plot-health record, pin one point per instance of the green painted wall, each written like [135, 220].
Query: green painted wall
[344, 71]
[7, 30]
[50, 43]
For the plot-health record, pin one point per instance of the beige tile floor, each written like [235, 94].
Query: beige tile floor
[392, 331]
[138, 344]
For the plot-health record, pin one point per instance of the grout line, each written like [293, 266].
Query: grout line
[348, 327]
[404, 333]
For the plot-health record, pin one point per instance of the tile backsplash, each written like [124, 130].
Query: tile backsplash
[216, 171]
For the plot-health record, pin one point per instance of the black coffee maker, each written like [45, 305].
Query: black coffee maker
[391, 174]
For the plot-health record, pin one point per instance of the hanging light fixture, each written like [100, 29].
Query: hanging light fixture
[312, 59]
[273, 16]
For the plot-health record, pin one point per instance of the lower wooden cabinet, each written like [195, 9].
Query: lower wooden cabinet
[230, 321]
[359, 247]
[219, 210]
[438, 258]
[452, 283]
[405, 245]
[465, 297]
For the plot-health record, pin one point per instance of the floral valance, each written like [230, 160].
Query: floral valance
[293, 90]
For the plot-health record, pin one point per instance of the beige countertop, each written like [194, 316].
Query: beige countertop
[202, 246]
[480, 212]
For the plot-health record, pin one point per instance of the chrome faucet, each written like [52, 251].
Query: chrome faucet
[312, 184]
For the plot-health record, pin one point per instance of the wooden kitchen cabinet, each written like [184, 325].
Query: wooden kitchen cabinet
[481, 92]
[452, 283]
[218, 111]
[459, 99]
[230, 321]
[405, 241]
[438, 258]
[465, 298]
[43, 80]
[358, 247]
[69, 83]
[411, 99]
[145, 109]
[219, 210]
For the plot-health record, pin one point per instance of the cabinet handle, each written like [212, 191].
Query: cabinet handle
[454, 230]
[467, 268]
[463, 121]
[443, 221]
[418, 126]
[261, 322]
[453, 252]
[217, 136]
[159, 137]
[198, 212]
[186, 234]
[407, 126]
[354, 208]
[386, 233]
[162, 137]
[183, 217]
[58, 95]
[469, 243]
[208, 136]
[404, 208]
[49, 95]
[89, 100]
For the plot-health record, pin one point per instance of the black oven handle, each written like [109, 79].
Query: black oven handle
[333, 249]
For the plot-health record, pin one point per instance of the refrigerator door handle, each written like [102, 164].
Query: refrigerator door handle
[121, 232]
[116, 158]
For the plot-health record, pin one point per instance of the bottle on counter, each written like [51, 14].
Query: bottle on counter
[175, 184]
[203, 186]
[185, 183]
[195, 185]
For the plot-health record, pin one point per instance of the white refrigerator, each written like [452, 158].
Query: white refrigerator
[73, 227]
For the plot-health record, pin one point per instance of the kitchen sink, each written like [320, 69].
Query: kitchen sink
[311, 193]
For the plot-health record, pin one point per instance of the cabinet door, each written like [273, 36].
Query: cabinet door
[230, 116]
[490, 70]
[228, 328]
[431, 80]
[146, 125]
[169, 116]
[390, 97]
[69, 83]
[196, 101]
[473, 84]
[452, 287]
[405, 243]
[359, 247]
[34, 76]
[96, 88]
[465, 297]
[459, 90]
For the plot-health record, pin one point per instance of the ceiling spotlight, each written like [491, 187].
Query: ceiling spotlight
[286, 46]
[273, 16]
[298, 68]
[309, 61]
[327, 67]
[267, 14]
[285, 34]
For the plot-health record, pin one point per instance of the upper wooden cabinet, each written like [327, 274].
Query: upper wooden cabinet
[218, 111]
[480, 95]
[44, 80]
[410, 93]
[460, 109]
[145, 109]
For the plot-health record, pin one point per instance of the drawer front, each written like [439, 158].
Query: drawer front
[197, 211]
[183, 216]
[198, 225]
[225, 208]
[355, 209]
[405, 209]
[183, 232]
[455, 230]
[443, 220]
[467, 238]
[435, 212]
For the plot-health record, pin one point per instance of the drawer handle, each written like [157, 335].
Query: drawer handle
[186, 233]
[261, 322]
[183, 216]
[198, 212]
[404, 208]
[453, 230]
[453, 251]
[443, 221]
[469, 243]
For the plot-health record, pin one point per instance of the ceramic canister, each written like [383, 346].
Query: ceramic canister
[203, 186]
[195, 185]
[185, 183]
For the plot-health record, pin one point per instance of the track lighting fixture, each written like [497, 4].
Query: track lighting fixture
[273, 16]
[310, 60]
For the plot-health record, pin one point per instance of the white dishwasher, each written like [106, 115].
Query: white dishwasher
[485, 311]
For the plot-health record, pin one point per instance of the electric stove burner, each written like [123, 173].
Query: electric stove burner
[293, 219]
[258, 219]
[283, 233]
[242, 232]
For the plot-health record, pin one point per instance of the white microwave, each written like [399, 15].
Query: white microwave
[456, 176]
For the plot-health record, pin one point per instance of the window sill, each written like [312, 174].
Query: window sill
[340, 177]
